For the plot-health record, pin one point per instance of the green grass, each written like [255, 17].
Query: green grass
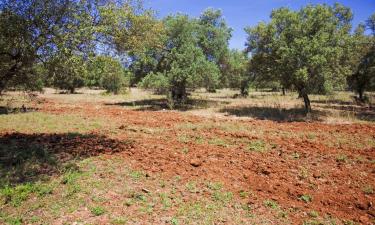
[97, 210]
[271, 204]
[39, 122]
[257, 146]
[306, 198]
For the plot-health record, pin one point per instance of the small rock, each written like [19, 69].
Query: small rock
[361, 205]
[363, 219]
[145, 190]
[196, 162]
[317, 175]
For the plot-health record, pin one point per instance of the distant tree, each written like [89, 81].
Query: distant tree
[28, 35]
[39, 31]
[362, 59]
[67, 72]
[235, 71]
[304, 49]
[108, 73]
[213, 38]
[182, 62]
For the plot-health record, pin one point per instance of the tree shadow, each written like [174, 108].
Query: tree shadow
[274, 114]
[334, 101]
[6, 110]
[163, 104]
[360, 112]
[32, 157]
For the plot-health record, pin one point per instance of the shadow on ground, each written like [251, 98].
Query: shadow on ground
[6, 110]
[274, 114]
[162, 103]
[33, 157]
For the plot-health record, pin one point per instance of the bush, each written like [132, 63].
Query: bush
[156, 81]
[108, 73]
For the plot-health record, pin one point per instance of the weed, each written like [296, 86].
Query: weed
[244, 194]
[215, 186]
[165, 200]
[313, 222]
[349, 222]
[271, 204]
[185, 150]
[342, 158]
[295, 155]
[45, 189]
[311, 136]
[257, 146]
[218, 142]
[303, 173]
[368, 190]
[223, 197]
[16, 195]
[97, 210]
[119, 221]
[313, 214]
[191, 186]
[136, 175]
[14, 220]
[283, 214]
[306, 198]
[174, 221]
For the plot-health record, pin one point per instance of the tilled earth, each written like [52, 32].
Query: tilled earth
[303, 166]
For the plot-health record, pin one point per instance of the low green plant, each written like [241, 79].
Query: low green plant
[306, 198]
[97, 210]
[215, 186]
[313, 214]
[368, 190]
[257, 146]
[342, 158]
[223, 197]
[271, 204]
[16, 195]
[136, 175]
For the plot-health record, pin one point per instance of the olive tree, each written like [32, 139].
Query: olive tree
[362, 59]
[182, 63]
[303, 49]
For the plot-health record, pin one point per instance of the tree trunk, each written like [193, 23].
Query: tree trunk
[360, 94]
[283, 90]
[72, 90]
[244, 88]
[179, 94]
[307, 103]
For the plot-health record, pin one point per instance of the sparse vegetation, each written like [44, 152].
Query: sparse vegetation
[110, 114]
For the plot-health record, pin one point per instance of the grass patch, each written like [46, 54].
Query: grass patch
[39, 122]
[257, 146]
[97, 210]
[306, 198]
[271, 204]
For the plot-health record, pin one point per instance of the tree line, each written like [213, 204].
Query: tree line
[108, 44]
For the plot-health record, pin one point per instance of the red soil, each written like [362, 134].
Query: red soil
[336, 186]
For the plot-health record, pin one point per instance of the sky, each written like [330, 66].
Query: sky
[242, 13]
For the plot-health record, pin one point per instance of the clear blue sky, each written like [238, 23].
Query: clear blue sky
[242, 13]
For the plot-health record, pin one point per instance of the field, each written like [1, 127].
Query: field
[92, 158]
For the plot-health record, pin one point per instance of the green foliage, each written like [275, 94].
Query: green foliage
[34, 33]
[303, 49]
[108, 73]
[156, 81]
[234, 71]
[306, 198]
[68, 72]
[182, 62]
[97, 210]
[271, 204]
[362, 60]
